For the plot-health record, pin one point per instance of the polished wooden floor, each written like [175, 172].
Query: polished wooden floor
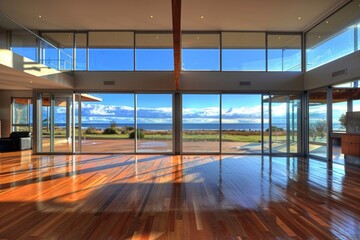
[176, 197]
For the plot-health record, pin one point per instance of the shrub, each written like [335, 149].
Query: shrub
[110, 131]
[91, 130]
[113, 124]
[140, 134]
[342, 120]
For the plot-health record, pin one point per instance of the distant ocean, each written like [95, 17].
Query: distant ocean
[187, 126]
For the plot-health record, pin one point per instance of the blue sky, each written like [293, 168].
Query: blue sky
[197, 108]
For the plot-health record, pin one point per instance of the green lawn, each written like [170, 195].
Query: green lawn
[190, 136]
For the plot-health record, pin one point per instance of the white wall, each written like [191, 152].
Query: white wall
[322, 76]
[230, 81]
[124, 81]
[5, 109]
[190, 81]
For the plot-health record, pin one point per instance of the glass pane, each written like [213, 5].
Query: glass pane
[81, 53]
[241, 123]
[21, 111]
[154, 123]
[24, 44]
[62, 56]
[154, 52]
[339, 112]
[242, 51]
[356, 105]
[49, 55]
[358, 36]
[284, 53]
[294, 124]
[201, 52]
[62, 124]
[345, 99]
[279, 111]
[266, 123]
[333, 37]
[111, 51]
[46, 123]
[338, 46]
[77, 123]
[318, 123]
[200, 123]
[21, 129]
[285, 115]
[107, 122]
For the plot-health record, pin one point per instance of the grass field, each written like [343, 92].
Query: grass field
[205, 135]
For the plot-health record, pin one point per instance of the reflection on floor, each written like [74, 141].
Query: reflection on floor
[176, 197]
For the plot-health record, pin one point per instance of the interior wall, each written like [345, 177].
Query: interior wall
[322, 76]
[242, 81]
[5, 109]
[190, 81]
[124, 81]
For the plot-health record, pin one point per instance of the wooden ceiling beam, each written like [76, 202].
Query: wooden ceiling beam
[176, 19]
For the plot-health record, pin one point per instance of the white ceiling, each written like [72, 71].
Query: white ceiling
[255, 15]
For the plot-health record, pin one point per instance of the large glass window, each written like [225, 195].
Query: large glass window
[266, 123]
[285, 114]
[107, 123]
[284, 52]
[243, 51]
[22, 112]
[61, 57]
[201, 51]
[200, 122]
[334, 37]
[154, 122]
[24, 44]
[241, 123]
[55, 123]
[80, 51]
[318, 137]
[154, 51]
[111, 51]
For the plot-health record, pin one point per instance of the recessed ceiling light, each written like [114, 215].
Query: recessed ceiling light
[40, 16]
[319, 36]
[197, 37]
[30, 81]
[151, 16]
[299, 18]
[279, 38]
[327, 21]
[202, 17]
[157, 37]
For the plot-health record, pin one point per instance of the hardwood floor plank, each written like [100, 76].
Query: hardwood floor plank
[176, 197]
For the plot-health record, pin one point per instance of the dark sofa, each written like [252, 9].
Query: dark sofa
[16, 142]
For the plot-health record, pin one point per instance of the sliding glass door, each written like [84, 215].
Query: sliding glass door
[201, 123]
[154, 123]
[107, 123]
[248, 124]
[318, 124]
[55, 123]
[144, 123]
[241, 123]
[285, 113]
